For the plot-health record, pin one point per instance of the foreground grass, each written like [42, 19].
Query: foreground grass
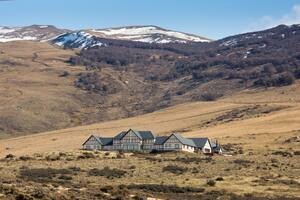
[272, 173]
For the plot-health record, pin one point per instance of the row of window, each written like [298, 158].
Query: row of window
[177, 146]
[131, 140]
[138, 147]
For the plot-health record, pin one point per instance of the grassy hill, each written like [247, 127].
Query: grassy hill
[263, 114]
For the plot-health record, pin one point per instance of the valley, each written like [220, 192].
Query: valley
[58, 87]
[189, 119]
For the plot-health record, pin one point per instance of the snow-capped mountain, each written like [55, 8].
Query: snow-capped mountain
[34, 32]
[149, 34]
[96, 37]
[79, 39]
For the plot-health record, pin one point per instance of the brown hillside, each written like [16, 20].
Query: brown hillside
[266, 115]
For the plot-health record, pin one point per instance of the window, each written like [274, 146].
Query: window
[176, 146]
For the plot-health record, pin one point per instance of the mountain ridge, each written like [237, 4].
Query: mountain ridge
[140, 33]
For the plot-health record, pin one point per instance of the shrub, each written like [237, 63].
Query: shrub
[220, 179]
[107, 172]
[23, 197]
[210, 96]
[193, 159]
[175, 169]
[64, 74]
[283, 153]
[24, 158]
[107, 188]
[297, 73]
[195, 170]
[75, 169]
[38, 193]
[244, 163]
[10, 156]
[282, 79]
[42, 174]
[120, 155]
[211, 183]
[86, 155]
[132, 167]
[52, 157]
[165, 188]
[64, 177]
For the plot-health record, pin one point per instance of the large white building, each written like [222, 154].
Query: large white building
[133, 140]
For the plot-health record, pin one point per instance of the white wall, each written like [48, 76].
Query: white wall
[207, 148]
[173, 144]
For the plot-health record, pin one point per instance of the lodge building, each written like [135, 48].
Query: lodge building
[133, 140]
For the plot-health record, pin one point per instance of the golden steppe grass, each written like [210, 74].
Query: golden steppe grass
[187, 119]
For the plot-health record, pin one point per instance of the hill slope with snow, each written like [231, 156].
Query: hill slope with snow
[92, 37]
[34, 32]
[149, 34]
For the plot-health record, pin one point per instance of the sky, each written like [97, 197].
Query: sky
[214, 19]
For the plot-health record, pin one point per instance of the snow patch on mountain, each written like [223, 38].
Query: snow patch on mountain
[5, 30]
[34, 32]
[149, 34]
[79, 39]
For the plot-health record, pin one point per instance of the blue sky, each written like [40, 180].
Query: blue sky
[211, 18]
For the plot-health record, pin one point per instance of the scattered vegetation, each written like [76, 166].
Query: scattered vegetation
[175, 169]
[86, 155]
[164, 188]
[107, 172]
[283, 153]
[194, 159]
[43, 175]
[242, 162]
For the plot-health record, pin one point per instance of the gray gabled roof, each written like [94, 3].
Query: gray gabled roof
[105, 141]
[90, 138]
[101, 140]
[143, 135]
[216, 146]
[160, 140]
[120, 135]
[199, 142]
[183, 140]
